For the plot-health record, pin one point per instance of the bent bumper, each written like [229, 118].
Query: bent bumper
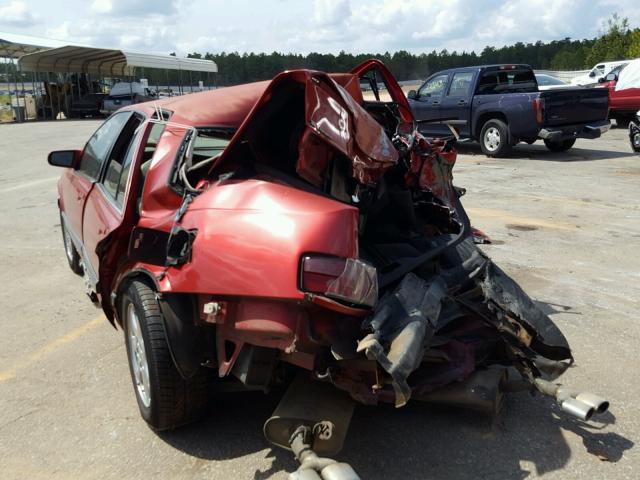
[591, 130]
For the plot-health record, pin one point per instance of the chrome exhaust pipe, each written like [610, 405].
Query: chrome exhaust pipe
[599, 404]
[313, 467]
[576, 408]
[582, 405]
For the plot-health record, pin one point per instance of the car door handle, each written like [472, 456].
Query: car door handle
[462, 102]
[435, 102]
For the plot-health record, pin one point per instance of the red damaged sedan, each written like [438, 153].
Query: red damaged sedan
[298, 228]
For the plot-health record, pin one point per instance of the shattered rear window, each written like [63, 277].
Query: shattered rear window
[211, 142]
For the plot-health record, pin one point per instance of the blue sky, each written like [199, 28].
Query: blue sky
[303, 26]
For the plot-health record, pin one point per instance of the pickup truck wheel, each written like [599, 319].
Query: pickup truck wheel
[73, 257]
[562, 146]
[165, 399]
[494, 138]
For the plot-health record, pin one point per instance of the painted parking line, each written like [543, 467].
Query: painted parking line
[32, 183]
[51, 347]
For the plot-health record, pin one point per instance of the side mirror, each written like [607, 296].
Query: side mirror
[64, 158]
[592, 74]
[412, 95]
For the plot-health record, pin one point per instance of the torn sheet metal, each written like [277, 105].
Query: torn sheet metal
[403, 323]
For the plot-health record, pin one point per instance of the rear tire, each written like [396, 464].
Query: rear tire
[622, 121]
[634, 136]
[165, 399]
[494, 138]
[73, 257]
[561, 146]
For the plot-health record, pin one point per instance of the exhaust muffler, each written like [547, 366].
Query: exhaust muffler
[582, 405]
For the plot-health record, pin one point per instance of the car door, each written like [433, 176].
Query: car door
[456, 103]
[627, 99]
[105, 204]
[79, 182]
[426, 104]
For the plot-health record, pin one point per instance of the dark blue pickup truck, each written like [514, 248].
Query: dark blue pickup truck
[500, 105]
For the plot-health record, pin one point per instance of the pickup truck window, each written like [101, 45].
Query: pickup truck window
[507, 81]
[435, 86]
[460, 84]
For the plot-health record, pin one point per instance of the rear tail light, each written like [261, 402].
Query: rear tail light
[538, 110]
[348, 280]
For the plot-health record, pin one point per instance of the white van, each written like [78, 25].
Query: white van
[597, 72]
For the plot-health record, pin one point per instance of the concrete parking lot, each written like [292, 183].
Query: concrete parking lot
[566, 226]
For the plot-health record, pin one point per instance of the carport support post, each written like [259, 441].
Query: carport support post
[66, 101]
[19, 116]
[58, 94]
[49, 93]
[35, 93]
[24, 94]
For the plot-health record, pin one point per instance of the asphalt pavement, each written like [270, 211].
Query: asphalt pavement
[565, 225]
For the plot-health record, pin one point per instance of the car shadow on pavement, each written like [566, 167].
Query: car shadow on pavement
[417, 441]
[540, 152]
[233, 429]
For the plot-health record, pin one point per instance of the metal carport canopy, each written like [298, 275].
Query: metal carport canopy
[107, 62]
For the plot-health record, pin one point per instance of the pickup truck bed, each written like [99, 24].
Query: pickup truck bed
[501, 105]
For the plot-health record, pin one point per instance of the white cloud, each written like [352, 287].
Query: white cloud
[153, 35]
[16, 14]
[369, 26]
[331, 12]
[102, 6]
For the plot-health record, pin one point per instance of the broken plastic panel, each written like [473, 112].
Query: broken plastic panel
[346, 279]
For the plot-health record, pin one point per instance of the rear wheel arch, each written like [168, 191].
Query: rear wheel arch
[484, 118]
[140, 274]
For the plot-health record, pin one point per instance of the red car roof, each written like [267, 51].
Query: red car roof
[227, 106]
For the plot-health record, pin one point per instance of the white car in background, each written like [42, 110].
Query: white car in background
[597, 72]
[547, 82]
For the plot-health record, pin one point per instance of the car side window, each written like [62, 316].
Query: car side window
[99, 145]
[120, 159]
[460, 84]
[434, 86]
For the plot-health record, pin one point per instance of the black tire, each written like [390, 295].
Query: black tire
[634, 136]
[561, 146]
[494, 138]
[622, 121]
[171, 400]
[73, 257]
